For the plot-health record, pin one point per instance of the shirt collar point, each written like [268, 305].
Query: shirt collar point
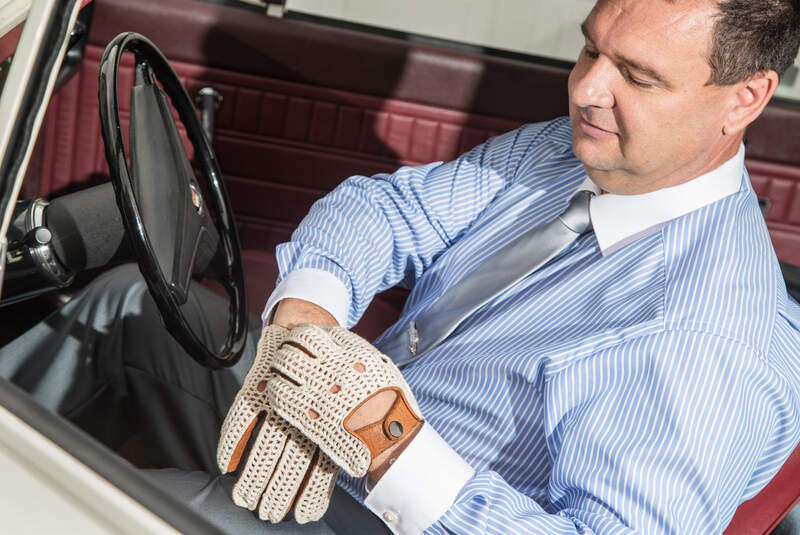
[621, 219]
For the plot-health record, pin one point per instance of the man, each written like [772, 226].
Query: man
[615, 388]
[642, 379]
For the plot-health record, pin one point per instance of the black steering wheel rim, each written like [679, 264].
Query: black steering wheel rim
[167, 299]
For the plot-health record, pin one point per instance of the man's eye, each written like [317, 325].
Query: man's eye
[592, 54]
[637, 83]
[634, 81]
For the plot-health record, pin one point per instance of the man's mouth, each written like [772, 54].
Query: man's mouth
[594, 131]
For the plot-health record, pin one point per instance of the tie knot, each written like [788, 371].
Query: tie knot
[576, 217]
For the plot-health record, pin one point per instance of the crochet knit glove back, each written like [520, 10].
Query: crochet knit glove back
[284, 467]
[343, 394]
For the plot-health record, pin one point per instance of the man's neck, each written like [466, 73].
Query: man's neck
[635, 184]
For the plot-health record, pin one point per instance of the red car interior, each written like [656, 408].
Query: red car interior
[8, 43]
[306, 105]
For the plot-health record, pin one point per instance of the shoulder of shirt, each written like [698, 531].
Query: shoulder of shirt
[721, 274]
[557, 131]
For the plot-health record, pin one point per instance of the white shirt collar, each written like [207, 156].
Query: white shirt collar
[622, 219]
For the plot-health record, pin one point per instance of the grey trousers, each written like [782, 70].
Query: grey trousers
[109, 341]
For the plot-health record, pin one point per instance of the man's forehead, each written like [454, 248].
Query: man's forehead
[660, 33]
[661, 20]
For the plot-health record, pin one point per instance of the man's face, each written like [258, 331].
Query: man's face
[643, 114]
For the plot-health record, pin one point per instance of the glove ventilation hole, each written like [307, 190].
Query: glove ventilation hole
[335, 389]
[283, 376]
[301, 348]
[360, 368]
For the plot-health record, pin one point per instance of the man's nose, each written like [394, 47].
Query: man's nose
[593, 88]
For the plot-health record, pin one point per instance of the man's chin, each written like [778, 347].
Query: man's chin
[594, 155]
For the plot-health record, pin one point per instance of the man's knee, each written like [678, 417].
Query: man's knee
[111, 297]
[118, 285]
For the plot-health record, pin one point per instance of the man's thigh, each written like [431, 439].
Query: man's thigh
[210, 496]
[180, 403]
[110, 339]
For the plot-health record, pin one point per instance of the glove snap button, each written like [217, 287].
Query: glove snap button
[396, 429]
[390, 517]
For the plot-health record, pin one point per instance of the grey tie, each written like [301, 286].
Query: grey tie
[506, 267]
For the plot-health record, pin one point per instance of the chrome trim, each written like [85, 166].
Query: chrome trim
[3, 250]
[208, 100]
[40, 246]
[413, 338]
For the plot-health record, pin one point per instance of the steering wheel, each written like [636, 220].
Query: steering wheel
[174, 232]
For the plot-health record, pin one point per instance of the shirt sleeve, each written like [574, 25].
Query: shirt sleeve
[663, 435]
[421, 485]
[372, 233]
[315, 285]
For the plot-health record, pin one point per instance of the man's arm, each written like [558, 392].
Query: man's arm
[372, 233]
[665, 434]
[293, 312]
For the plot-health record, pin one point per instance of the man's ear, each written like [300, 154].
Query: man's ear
[749, 100]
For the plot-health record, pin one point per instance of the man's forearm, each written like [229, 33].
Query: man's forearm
[293, 312]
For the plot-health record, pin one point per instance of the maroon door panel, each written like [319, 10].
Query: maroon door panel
[780, 184]
[281, 145]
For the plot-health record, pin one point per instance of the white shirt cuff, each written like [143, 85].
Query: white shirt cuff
[316, 286]
[421, 485]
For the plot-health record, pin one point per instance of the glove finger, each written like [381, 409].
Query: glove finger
[261, 462]
[249, 402]
[272, 337]
[314, 497]
[294, 364]
[320, 424]
[230, 449]
[289, 401]
[287, 478]
[239, 424]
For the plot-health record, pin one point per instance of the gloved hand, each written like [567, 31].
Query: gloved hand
[343, 394]
[284, 466]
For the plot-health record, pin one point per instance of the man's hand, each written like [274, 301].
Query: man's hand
[284, 469]
[344, 395]
[370, 415]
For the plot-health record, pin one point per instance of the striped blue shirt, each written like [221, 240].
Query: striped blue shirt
[649, 387]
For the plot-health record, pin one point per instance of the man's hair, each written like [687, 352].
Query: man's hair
[752, 36]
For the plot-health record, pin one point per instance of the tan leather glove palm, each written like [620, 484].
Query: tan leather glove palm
[343, 394]
[284, 468]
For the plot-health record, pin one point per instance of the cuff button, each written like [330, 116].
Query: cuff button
[390, 517]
